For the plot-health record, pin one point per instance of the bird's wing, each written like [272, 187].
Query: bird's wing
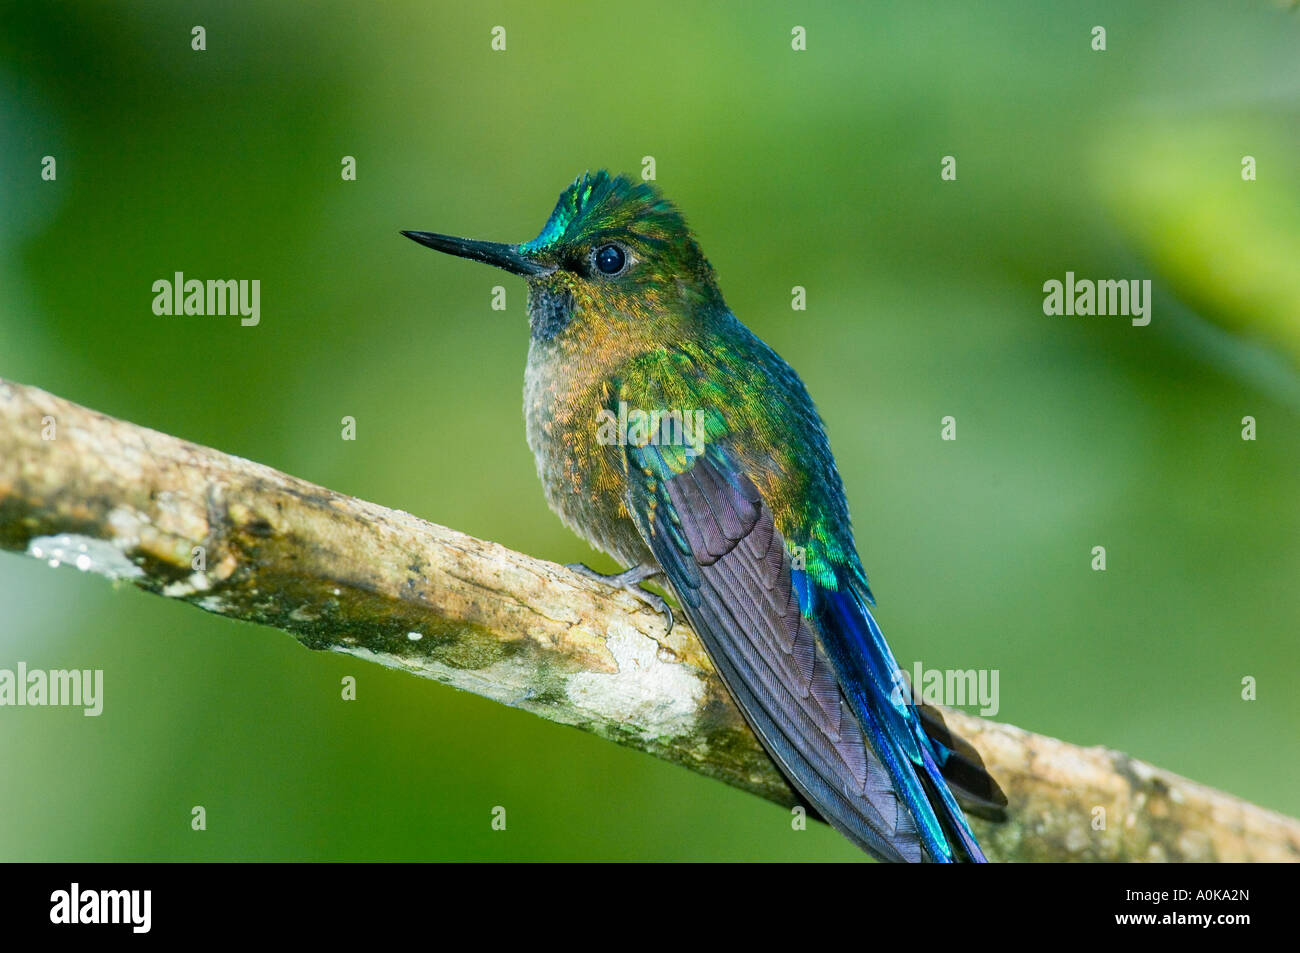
[806, 663]
[715, 540]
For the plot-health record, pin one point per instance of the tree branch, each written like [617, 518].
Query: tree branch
[349, 576]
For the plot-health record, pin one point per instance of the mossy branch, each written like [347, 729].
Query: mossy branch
[349, 576]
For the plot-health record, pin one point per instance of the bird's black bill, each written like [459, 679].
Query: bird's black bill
[499, 254]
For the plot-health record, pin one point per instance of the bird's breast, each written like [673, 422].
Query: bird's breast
[565, 390]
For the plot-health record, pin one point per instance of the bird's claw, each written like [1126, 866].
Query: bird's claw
[630, 582]
[654, 601]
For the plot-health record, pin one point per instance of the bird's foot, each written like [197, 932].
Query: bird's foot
[629, 580]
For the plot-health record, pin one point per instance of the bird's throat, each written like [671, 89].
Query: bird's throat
[550, 309]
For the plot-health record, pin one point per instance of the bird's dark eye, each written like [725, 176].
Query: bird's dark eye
[610, 259]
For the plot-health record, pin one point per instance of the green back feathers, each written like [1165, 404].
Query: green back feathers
[779, 443]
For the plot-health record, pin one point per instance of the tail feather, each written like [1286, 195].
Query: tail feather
[963, 768]
[918, 762]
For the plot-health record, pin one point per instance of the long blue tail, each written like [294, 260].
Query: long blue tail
[879, 696]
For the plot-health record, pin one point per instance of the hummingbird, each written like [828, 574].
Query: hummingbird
[670, 437]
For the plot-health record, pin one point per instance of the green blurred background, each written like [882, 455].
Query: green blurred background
[817, 168]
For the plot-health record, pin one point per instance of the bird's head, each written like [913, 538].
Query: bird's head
[613, 251]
